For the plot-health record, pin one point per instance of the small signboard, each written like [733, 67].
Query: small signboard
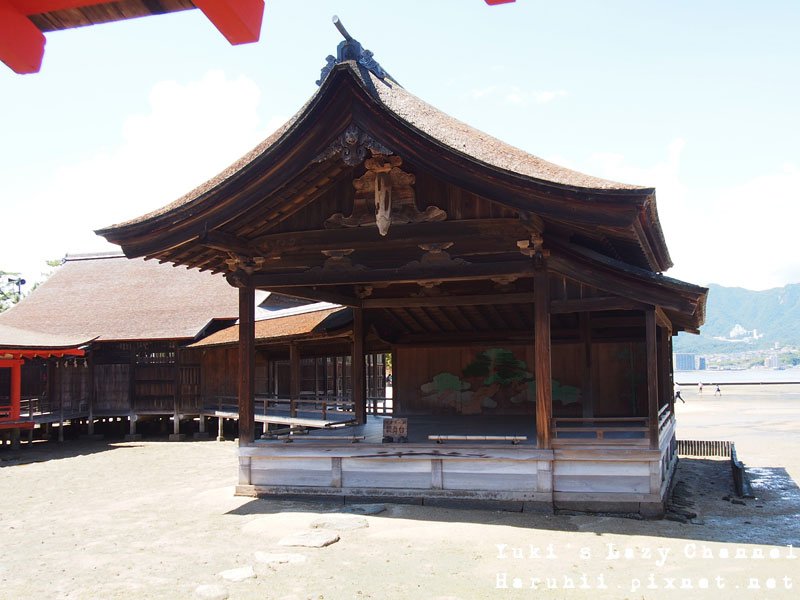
[395, 430]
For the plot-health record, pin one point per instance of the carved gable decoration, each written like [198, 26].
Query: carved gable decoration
[352, 146]
[385, 196]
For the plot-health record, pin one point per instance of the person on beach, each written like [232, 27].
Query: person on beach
[700, 388]
[718, 392]
[678, 393]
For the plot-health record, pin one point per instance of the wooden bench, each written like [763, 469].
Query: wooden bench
[514, 439]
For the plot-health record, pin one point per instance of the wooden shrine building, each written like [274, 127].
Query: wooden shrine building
[133, 318]
[524, 304]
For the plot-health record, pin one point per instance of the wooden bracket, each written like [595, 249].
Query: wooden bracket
[246, 264]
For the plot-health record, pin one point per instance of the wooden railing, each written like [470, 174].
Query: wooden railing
[379, 405]
[292, 406]
[664, 416]
[600, 430]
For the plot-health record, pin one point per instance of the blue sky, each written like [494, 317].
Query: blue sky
[699, 99]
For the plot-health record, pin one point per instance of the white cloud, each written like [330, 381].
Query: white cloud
[190, 132]
[735, 236]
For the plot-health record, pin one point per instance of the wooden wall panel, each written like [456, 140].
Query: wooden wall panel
[567, 371]
[470, 379]
[112, 388]
[219, 368]
[490, 475]
[292, 471]
[72, 387]
[601, 476]
[619, 379]
[380, 473]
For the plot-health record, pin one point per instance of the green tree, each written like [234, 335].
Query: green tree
[9, 289]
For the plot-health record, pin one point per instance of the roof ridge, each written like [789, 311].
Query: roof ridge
[93, 255]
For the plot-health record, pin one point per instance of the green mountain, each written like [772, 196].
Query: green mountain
[738, 320]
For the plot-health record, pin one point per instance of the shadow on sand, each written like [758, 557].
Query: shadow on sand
[40, 450]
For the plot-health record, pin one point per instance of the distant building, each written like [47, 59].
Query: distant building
[701, 363]
[772, 362]
[683, 361]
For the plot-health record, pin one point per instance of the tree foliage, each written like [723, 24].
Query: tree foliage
[9, 290]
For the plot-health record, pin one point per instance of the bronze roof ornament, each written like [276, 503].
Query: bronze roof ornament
[351, 49]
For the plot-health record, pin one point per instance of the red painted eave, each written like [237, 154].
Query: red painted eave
[22, 44]
[238, 20]
[28, 353]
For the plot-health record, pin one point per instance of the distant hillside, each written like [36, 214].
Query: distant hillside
[739, 320]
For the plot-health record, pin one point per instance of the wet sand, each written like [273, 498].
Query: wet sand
[156, 520]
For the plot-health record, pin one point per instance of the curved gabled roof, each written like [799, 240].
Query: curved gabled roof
[418, 132]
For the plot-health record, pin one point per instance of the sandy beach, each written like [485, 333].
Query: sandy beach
[155, 519]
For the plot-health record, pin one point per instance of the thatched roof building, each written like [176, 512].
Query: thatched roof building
[107, 297]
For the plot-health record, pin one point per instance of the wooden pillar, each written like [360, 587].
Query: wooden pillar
[588, 388]
[61, 412]
[358, 374]
[220, 435]
[16, 388]
[665, 357]
[51, 387]
[651, 349]
[176, 398]
[92, 394]
[668, 374]
[247, 364]
[294, 378]
[544, 385]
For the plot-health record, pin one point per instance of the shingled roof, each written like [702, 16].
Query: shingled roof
[308, 323]
[110, 297]
[25, 339]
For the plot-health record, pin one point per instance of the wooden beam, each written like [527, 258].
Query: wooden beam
[455, 338]
[506, 231]
[584, 305]
[651, 349]
[358, 378]
[475, 300]
[225, 242]
[423, 274]
[543, 371]
[663, 320]
[21, 42]
[247, 367]
[608, 280]
[238, 20]
[318, 295]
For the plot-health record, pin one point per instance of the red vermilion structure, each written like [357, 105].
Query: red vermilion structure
[13, 359]
[24, 22]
